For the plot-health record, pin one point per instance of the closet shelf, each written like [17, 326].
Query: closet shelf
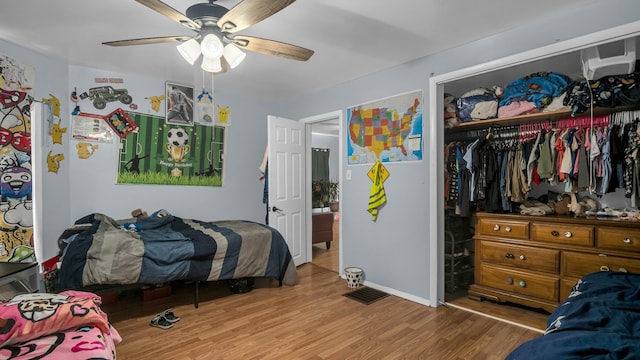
[520, 119]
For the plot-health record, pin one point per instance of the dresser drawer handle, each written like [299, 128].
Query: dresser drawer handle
[509, 256]
[523, 258]
[509, 281]
[555, 233]
[604, 268]
[496, 227]
[568, 234]
[507, 228]
[522, 283]
[626, 241]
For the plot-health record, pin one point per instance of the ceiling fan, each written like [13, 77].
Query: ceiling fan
[216, 25]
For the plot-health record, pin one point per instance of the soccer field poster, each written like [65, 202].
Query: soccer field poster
[170, 154]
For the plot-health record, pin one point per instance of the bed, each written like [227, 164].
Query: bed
[599, 320]
[68, 325]
[161, 248]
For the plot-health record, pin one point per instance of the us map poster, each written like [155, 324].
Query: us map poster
[170, 154]
[389, 130]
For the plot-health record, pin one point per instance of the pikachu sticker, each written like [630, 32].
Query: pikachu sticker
[155, 101]
[56, 133]
[223, 115]
[53, 162]
[85, 150]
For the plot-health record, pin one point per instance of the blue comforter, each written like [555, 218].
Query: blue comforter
[159, 249]
[599, 320]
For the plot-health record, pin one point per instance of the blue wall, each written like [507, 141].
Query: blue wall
[393, 251]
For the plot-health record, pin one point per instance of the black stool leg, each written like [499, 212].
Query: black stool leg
[195, 300]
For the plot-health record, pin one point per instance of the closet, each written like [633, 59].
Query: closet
[529, 258]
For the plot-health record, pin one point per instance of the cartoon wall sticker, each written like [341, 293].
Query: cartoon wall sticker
[85, 150]
[20, 243]
[56, 132]
[20, 216]
[223, 115]
[53, 162]
[155, 102]
[55, 102]
[15, 183]
[91, 127]
[75, 99]
[206, 109]
[16, 223]
[15, 75]
[101, 95]
[120, 122]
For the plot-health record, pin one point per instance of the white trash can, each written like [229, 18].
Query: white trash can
[354, 276]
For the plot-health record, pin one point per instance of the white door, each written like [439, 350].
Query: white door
[287, 190]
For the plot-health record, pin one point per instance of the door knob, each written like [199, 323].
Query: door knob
[276, 209]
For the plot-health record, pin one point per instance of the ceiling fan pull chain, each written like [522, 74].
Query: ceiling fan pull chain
[212, 92]
[204, 91]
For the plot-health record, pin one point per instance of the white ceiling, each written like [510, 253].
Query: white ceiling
[351, 38]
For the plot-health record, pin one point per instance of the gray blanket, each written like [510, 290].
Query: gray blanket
[155, 250]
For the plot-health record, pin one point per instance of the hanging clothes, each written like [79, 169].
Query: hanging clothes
[630, 154]
[264, 176]
[545, 164]
[495, 172]
[493, 196]
[451, 176]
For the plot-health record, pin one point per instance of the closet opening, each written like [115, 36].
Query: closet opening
[453, 253]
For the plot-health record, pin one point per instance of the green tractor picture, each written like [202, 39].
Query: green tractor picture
[101, 95]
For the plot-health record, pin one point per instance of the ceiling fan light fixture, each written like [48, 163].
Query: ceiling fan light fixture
[190, 50]
[233, 55]
[211, 46]
[210, 64]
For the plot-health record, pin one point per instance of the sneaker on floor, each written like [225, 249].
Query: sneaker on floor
[161, 322]
[170, 316]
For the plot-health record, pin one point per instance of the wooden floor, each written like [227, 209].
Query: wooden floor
[534, 319]
[531, 318]
[328, 258]
[312, 320]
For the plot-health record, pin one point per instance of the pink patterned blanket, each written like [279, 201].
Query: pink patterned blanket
[69, 325]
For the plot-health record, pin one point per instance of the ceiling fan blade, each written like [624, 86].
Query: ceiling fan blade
[271, 47]
[145, 41]
[170, 12]
[249, 12]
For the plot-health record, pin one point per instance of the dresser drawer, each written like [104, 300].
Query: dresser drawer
[580, 264]
[563, 234]
[566, 285]
[519, 282]
[504, 228]
[523, 257]
[624, 239]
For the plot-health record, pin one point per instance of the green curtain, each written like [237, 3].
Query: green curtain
[319, 164]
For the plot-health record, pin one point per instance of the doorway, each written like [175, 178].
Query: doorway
[325, 132]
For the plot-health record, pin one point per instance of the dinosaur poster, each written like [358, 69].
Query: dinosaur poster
[171, 154]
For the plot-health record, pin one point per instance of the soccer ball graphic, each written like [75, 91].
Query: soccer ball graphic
[178, 137]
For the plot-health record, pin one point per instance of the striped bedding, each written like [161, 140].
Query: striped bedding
[159, 249]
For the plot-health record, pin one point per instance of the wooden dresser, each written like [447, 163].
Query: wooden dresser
[536, 260]
[322, 228]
